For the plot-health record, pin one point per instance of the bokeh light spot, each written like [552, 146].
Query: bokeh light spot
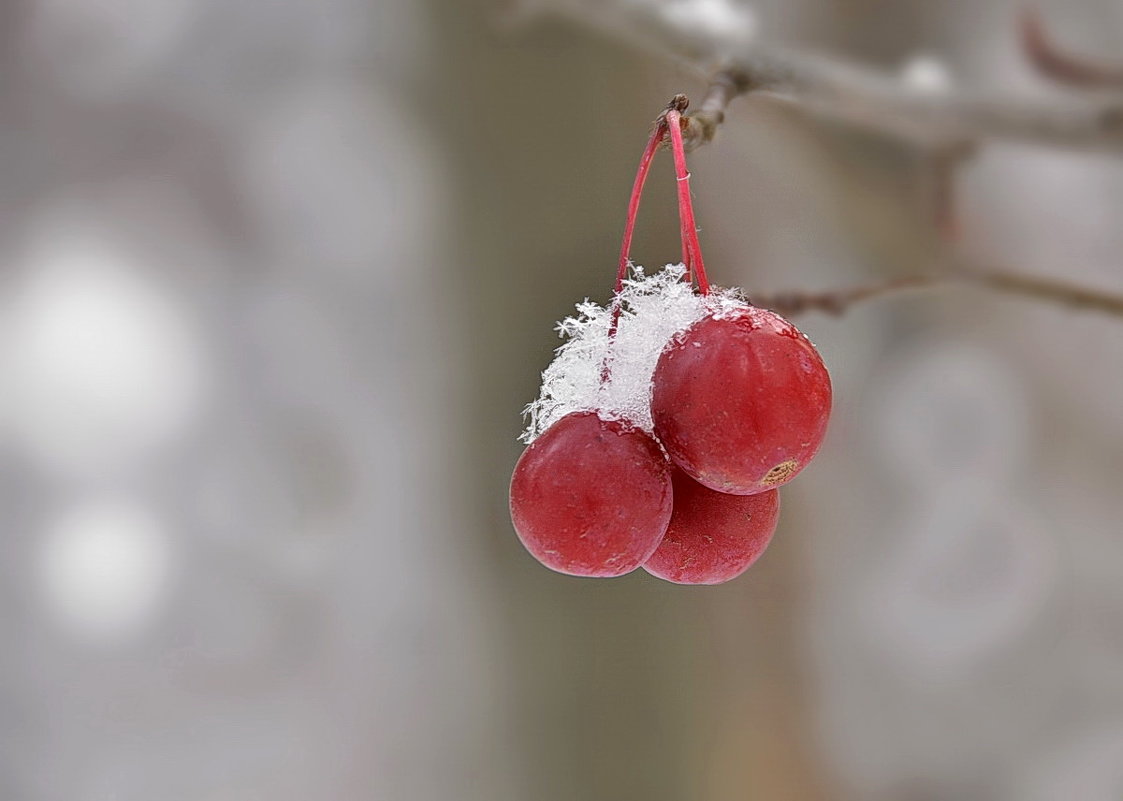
[102, 367]
[104, 568]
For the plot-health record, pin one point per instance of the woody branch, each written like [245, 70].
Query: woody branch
[848, 92]
[947, 125]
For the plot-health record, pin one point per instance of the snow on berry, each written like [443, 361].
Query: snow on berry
[653, 310]
[731, 399]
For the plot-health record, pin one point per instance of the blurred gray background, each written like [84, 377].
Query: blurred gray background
[278, 277]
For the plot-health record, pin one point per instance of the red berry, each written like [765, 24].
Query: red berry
[713, 537]
[591, 497]
[741, 401]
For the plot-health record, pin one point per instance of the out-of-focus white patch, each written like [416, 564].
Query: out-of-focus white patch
[969, 575]
[925, 73]
[100, 366]
[324, 196]
[724, 20]
[951, 415]
[966, 582]
[653, 309]
[1087, 765]
[104, 568]
[99, 47]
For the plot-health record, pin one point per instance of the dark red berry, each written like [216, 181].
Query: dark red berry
[741, 401]
[591, 497]
[713, 537]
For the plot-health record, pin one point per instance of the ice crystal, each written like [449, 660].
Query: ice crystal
[592, 372]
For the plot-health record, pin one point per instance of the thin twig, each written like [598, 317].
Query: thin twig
[702, 124]
[838, 301]
[1052, 290]
[940, 172]
[1060, 66]
[846, 92]
[946, 123]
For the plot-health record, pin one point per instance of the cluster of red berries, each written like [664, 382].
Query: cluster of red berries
[739, 403]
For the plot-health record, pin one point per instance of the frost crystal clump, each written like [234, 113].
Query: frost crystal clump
[653, 309]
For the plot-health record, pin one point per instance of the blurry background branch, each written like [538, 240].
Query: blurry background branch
[1061, 66]
[720, 38]
[718, 41]
[1034, 287]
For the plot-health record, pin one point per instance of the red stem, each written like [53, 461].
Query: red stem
[688, 230]
[653, 143]
[690, 244]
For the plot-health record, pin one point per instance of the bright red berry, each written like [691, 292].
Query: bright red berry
[713, 537]
[741, 401]
[591, 497]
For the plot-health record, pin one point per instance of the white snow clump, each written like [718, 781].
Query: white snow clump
[653, 309]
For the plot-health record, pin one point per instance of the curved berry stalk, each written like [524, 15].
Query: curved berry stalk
[645, 166]
[690, 245]
[653, 142]
[669, 122]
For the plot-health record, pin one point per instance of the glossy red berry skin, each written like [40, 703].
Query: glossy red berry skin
[741, 401]
[591, 497]
[713, 537]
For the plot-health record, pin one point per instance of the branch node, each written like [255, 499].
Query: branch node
[701, 126]
[862, 96]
